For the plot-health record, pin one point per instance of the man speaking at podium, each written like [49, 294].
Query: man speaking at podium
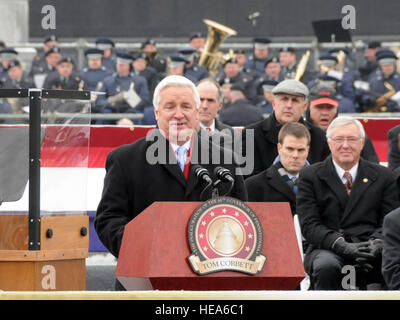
[164, 166]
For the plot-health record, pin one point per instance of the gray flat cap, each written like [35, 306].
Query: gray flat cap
[291, 86]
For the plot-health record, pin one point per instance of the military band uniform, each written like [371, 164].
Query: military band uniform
[56, 81]
[378, 88]
[114, 85]
[241, 79]
[92, 77]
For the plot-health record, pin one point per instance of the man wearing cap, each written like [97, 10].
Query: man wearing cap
[6, 56]
[193, 71]
[256, 61]
[273, 72]
[266, 88]
[17, 77]
[65, 77]
[341, 203]
[94, 72]
[124, 91]
[288, 59]
[231, 74]
[40, 60]
[176, 65]
[107, 46]
[197, 41]
[289, 104]
[329, 75]
[52, 56]
[324, 108]
[369, 65]
[154, 60]
[387, 79]
[240, 112]
[241, 58]
[141, 68]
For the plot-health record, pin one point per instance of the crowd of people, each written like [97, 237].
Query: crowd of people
[326, 169]
[128, 79]
[305, 151]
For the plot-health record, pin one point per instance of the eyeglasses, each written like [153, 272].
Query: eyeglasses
[343, 139]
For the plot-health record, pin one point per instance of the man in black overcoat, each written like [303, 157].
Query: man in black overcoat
[289, 104]
[341, 203]
[161, 166]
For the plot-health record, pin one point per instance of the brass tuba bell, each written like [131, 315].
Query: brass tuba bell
[210, 57]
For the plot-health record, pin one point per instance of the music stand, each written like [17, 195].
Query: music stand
[331, 31]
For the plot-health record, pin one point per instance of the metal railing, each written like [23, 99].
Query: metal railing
[167, 46]
[53, 116]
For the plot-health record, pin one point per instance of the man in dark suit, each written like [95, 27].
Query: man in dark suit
[279, 182]
[341, 203]
[394, 147]
[289, 104]
[211, 100]
[161, 166]
[391, 250]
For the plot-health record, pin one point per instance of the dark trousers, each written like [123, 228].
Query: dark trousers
[327, 272]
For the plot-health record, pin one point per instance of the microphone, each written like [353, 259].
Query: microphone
[202, 174]
[253, 15]
[223, 174]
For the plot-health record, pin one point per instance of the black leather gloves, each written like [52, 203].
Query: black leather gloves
[351, 251]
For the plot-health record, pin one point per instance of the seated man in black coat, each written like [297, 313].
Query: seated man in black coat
[161, 166]
[341, 203]
[391, 250]
[394, 147]
[279, 182]
[289, 104]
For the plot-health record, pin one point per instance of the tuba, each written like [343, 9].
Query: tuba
[210, 57]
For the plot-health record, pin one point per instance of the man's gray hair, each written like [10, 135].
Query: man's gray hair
[344, 121]
[217, 86]
[171, 81]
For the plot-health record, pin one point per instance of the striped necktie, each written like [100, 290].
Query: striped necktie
[349, 181]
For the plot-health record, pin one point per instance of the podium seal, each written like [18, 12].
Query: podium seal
[225, 234]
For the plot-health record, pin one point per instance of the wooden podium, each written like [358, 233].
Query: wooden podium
[155, 249]
[58, 265]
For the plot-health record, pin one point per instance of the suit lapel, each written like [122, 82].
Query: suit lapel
[328, 174]
[366, 176]
[277, 182]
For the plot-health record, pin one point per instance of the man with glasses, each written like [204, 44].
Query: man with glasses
[341, 203]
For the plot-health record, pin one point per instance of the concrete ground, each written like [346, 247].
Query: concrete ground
[100, 271]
